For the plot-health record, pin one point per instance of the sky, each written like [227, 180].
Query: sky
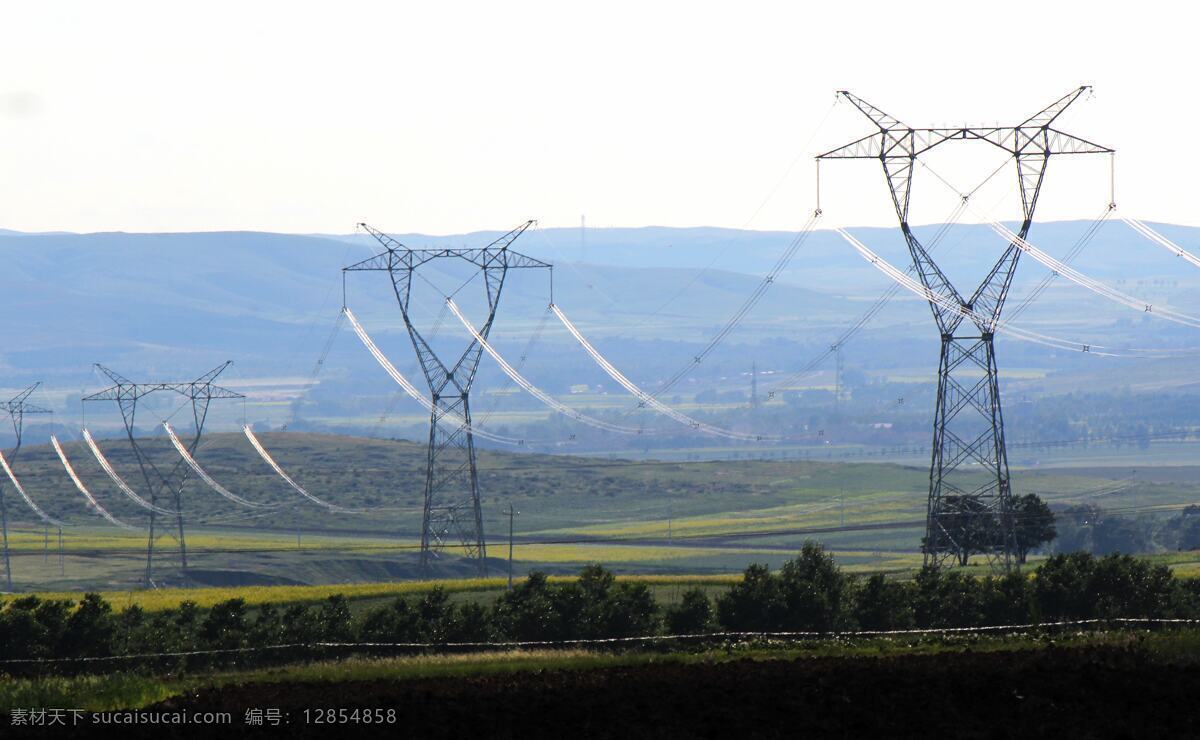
[445, 118]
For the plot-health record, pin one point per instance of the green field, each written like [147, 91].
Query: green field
[644, 517]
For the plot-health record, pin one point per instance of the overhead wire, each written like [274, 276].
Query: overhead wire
[269, 460]
[1079, 245]
[745, 308]
[952, 305]
[534, 338]
[204, 476]
[412, 391]
[29, 501]
[79, 485]
[119, 481]
[1074, 275]
[1097, 287]
[770, 194]
[646, 398]
[530, 388]
[1143, 229]
[886, 297]
[880, 303]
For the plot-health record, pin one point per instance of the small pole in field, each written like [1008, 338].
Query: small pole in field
[46, 549]
[62, 565]
[511, 513]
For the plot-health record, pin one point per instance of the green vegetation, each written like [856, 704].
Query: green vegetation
[635, 517]
[811, 593]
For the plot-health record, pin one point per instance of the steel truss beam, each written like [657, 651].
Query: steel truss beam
[16, 408]
[452, 507]
[164, 483]
[970, 495]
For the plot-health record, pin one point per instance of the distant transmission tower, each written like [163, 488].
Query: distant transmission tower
[970, 497]
[164, 484]
[16, 408]
[452, 505]
[754, 385]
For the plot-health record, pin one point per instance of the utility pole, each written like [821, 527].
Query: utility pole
[754, 385]
[837, 380]
[511, 514]
[968, 431]
[62, 563]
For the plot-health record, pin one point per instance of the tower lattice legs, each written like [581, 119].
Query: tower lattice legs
[970, 501]
[452, 509]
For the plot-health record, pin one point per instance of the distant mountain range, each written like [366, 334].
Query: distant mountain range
[169, 306]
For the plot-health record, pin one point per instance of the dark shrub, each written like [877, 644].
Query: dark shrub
[89, 630]
[754, 604]
[884, 605]
[816, 594]
[947, 598]
[692, 615]
[532, 611]
[225, 626]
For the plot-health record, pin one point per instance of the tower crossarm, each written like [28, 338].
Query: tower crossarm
[127, 390]
[1016, 140]
[397, 256]
[19, 403]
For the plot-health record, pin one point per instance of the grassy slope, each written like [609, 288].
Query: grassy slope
[664, 517]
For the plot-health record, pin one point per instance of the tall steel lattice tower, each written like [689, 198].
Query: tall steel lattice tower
[970, 496]
[451, 494]
[164, 485]
[16, 407]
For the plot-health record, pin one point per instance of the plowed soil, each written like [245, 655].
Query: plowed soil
[1053, 692]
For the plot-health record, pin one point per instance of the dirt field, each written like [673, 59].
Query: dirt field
[1077, 692]
[1066, 693]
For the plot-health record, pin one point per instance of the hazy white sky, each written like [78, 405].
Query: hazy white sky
[449, 117]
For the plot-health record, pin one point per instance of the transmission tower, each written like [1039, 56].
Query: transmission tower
[164, 484]
[16, 408]
[451, 505]
[968, 512]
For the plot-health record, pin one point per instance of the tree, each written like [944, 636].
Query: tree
[965, 526]
[884, 604]
[816, 593]
[1076, 526]
[693, 613]
[1033, 523]
[753, 604]
[1183, 532]
[225, 626]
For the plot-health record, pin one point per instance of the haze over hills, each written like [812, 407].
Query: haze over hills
[170, 306]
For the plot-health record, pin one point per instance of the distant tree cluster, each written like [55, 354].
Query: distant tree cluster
[809, 593]
[968, 527]
[1089, 528]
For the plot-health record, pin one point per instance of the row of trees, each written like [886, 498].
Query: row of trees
[809, 593]
[1089, 528]
[968, 528]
